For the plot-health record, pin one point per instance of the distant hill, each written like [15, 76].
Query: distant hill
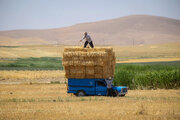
[129, 30]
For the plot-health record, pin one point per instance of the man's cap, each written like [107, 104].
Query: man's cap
[109, 78]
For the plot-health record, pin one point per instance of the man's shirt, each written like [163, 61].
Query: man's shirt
[109, 83]
[88, 38]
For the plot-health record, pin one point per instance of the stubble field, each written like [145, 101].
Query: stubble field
[27, 77]
[34, 89]
[51, 102]
[137, 53]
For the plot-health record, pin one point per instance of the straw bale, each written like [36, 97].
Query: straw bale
[76, 63]
[81, 58]
[67, 70]
[98, 76]
[67, 54]
[83, 63]
[89, 70]
[106, 49]
[71, 63]
[99, 63]
[79, 76]
[84, 54]
[89, 62]
[76, 58]
[80, 72]
[98, 69]
[89, 58]
[67, 49]
[72, 70]
[90, 76]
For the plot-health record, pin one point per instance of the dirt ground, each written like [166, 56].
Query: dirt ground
[51, 102]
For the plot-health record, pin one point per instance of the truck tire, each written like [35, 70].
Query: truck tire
[81, 93]
[122, 95]
[115, 93]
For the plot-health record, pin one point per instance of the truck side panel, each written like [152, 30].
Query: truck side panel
[87, 85]
[87, 90]
[81, 82]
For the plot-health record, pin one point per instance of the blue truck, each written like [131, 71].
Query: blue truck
[85, 87]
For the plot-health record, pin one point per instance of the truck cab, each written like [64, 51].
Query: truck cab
[82, 87]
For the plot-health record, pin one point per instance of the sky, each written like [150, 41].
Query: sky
[47, 14]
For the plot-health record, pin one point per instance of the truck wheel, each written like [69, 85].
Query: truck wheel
[115, 93]
[81, 93]
[122, 95]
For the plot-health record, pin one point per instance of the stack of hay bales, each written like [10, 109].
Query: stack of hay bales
[89, 62]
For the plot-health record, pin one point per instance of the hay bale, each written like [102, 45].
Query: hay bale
[98, 76]
[89, 62]
[89, 70]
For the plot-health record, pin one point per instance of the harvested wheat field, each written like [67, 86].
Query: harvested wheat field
[51, 102]
[27, 76]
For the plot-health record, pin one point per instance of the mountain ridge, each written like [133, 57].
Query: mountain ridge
[128, 30]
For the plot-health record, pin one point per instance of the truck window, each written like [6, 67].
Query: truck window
[100, 83]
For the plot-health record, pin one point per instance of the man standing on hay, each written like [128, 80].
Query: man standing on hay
[88, 40]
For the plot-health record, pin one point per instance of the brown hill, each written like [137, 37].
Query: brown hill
[129, 30]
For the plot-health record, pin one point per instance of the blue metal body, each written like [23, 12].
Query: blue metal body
[92, 87]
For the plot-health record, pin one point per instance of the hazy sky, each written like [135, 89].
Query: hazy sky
[43, 14]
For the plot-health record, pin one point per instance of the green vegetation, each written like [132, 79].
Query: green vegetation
[9, 46]
[148, 75]
[43, 63]
[58, 99]
[55, 82]
[151, 75]
[170, 63]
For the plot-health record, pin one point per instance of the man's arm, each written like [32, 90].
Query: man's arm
[83, 38]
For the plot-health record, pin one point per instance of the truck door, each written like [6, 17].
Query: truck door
[101, 88]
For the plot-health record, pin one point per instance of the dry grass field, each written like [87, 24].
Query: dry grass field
[137, 53]
[147, 60]
[43, 76]
[168, 50]
[51, 102]
[31, 51]
[28, 95]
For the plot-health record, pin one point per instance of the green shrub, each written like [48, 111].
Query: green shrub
[123, 77]
[141, 76]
